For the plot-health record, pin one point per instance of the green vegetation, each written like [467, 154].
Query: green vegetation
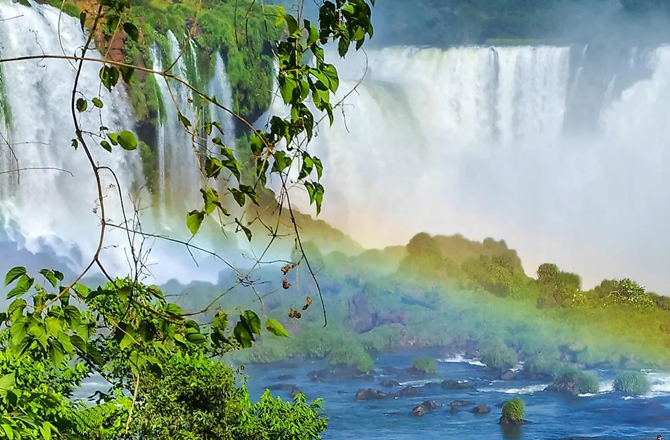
[513, 410]
[351, 355]
[581, 382]
[632, 382]
[425, 365]
[498, 356]
[165, 365]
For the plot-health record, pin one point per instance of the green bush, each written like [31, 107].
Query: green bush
[425, 365]
[632, 382]
[499, 356]
[544, 365]
[350, 355]
[584, 382]
[513, 410]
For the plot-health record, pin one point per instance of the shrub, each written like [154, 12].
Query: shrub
[425, 365]
[513, 410]
[499, 356]
[351, 355]
[544, 365]
[632, 382]
[583, 382]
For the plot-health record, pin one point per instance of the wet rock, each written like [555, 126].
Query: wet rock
[295, 392]
[286, 377]
[507, 375]
[459, 403]
[566, 386]
[425, 407]
[389, 383]
[453, 410]
[336, 374]
[480, 409]
[370, 394]
[512, 422]
[408, 392]
[454, 385]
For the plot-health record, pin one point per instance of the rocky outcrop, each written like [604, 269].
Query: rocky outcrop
[510, 422]
[334, 374]
[480, 409]
[408, 392]
[454, 385]
[564, 386]
[389, 383]
[459, 403]
[370, 394]
[425, 407]
[507, 375]
[363, 319]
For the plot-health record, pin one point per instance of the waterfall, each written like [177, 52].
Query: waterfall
[219, 87]
[52, 210]
[472, 140]
[49, 200]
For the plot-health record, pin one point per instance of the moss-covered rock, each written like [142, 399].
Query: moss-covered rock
[572, 380]
[513, 412]
[425, 365]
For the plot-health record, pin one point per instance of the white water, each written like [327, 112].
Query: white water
[53, 211]
[55, 208]
[219, 87]
[471, 141]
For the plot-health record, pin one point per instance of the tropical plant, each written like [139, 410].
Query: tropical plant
[157, 358]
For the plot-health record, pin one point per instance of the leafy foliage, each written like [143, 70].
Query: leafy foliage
[498, 355]
[513, 409]
[425, 365]
[632, 382]
[583, 382]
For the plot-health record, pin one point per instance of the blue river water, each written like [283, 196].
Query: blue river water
[606, 415]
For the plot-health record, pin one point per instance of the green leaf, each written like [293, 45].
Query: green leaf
[333, 80]
[127, 140]
[246, 230]
[82, 19]
[50, 277]
[45, 431]
[252, 321]
[196, 338]
[276, 328]
[131, 30]
[22, 286]
[280, 16]
[75, 144]
[281, 162]
[109, 76]
[128, 74]
[13, 274]
[238, 196]
[126, 341]
[106, 146]
[319, 166]
[113, 138]
[174, 309]
[97, 102]
[242, 335]
[53, 326]
[213, 167]
[315, 191]
[307, 166]
[211, 199]
[184, 120]
[72, 316]
[292, 24]
[82, 105]
[194, 220]
[9, 432]
[230, 163]
[7, 382]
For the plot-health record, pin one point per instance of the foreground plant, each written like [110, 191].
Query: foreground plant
[158, 360]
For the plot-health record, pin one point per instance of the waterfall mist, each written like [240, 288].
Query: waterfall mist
[475, 141]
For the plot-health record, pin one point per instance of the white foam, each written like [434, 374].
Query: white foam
[461, 359]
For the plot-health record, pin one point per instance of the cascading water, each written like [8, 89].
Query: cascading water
[53, 209]
[472, 141]
[219, 87]
[47, 192]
